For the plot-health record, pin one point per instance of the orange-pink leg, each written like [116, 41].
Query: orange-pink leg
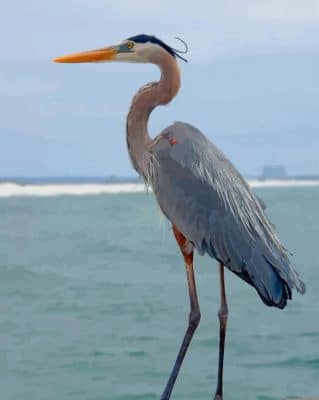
[194, 316]
[222, 315]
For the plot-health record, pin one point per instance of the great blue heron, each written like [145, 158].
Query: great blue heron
[209, 204]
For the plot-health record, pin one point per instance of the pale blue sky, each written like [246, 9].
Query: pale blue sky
[252, 83]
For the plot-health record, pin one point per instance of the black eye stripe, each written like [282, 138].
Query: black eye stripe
[153, 39]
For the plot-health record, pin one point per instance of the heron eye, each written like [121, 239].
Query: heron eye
[130, 45]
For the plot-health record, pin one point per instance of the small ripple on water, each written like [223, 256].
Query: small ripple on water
[136, 353]
[141, 338]
[293, 362]
[309, 334]
[142, 396]
[267, 337]
[102, 354]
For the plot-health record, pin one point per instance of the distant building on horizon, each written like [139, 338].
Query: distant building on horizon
[274, 172]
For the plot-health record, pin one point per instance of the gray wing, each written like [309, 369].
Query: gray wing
[202, 193]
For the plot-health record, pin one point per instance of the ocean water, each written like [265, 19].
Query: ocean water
[94, 304]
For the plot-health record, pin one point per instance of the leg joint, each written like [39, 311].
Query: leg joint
[194, 318]
[223, 313]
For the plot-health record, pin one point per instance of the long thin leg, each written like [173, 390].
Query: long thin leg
[194, 316]
[222, 315]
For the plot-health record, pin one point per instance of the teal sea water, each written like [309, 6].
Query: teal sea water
[94, 305]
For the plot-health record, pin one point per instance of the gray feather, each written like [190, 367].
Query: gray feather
[201, 192]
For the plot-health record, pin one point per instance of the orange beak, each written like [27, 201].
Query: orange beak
[99, 55]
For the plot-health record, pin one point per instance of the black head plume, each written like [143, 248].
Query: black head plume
[179, 52]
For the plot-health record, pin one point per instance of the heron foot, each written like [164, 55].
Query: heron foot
[218, 397]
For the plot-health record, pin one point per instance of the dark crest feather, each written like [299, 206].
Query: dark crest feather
[153, 39]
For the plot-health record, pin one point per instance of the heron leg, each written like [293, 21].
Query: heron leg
[222, 315]
[194, 316]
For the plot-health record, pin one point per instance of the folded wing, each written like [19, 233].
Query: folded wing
[201, 192]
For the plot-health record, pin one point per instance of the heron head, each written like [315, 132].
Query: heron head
[140, 48]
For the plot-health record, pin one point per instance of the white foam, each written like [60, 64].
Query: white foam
[13, 189]
[282, 183]
[48, 190]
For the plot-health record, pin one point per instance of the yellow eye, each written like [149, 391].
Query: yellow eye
[130, 45]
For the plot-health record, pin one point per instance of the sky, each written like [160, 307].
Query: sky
[251, 84]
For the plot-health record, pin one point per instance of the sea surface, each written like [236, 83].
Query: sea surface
[94, 304]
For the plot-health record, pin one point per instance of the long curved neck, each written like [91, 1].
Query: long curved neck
[144, 102]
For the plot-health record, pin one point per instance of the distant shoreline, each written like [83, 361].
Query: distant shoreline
[84, 188]
[79, 180]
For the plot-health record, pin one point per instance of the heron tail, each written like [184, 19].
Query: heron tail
[273, 284]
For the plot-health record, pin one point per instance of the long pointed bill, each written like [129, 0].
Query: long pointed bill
[99, 55]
